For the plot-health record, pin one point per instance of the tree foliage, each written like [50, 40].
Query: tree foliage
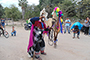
[70, 8]
[83, 9]
[12, 12]
[49, 5]
[32, 11]
[1, 11]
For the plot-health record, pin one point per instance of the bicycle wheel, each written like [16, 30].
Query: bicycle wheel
[6, 34]
[1, 31]
[51, 37]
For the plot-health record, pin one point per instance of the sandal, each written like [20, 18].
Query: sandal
[78, 37]
[44, 53]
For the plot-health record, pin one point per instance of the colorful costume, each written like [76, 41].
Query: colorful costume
[36, 41]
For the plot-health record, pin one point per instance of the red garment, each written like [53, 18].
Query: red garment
[39, 25]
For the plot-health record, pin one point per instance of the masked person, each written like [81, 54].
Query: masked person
[36, 41]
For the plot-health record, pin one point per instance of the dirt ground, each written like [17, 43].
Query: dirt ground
[15, 47]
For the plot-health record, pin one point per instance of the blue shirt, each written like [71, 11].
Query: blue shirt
[2, 21]
[67, 24]
[34, 19]
[78, 24]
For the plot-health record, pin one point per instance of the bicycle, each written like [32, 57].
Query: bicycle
[4, 33]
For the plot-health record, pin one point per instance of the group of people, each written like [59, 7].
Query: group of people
[36, 40]
[77, 26]
[2, 27]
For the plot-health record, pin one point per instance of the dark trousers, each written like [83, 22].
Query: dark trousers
[13, 33]
[39, 45]
[86, 29]
[2, 31]
[78, 33]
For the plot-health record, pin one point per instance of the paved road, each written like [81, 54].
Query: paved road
[15, 48]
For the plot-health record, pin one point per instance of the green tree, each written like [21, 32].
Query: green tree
[68, 7]
[57, 1]
[1, 11]
[32, 11]
[12, 12]
[23, 4]
[50, 2]
[48, 5]
[83, 9]
[7, 12]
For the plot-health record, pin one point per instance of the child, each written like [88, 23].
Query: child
[76, 31]
[77, 27]
[13, 31]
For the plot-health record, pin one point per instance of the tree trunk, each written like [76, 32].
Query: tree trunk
[23, 12]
